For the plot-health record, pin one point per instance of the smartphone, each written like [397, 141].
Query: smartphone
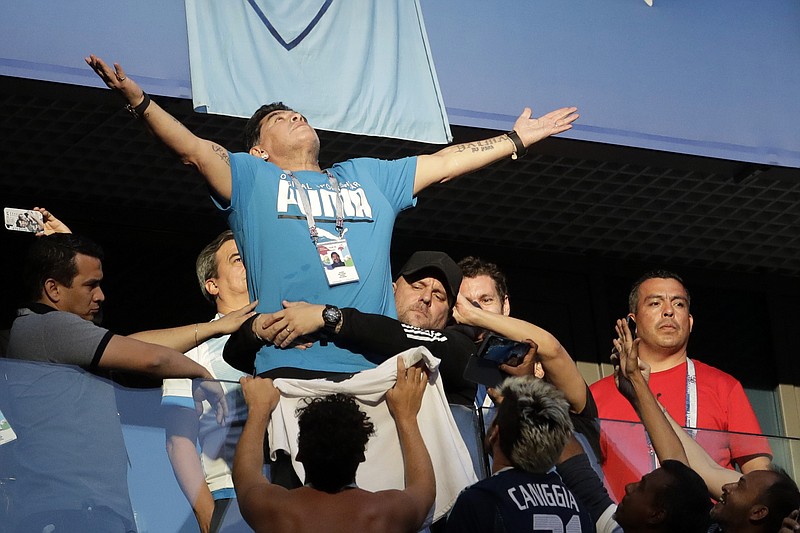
[483, 366]
[26, 220]
[631, 326]
[500, 349]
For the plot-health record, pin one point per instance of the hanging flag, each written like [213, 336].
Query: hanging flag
[354, 66]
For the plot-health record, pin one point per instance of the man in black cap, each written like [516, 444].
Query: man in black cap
[425, 289]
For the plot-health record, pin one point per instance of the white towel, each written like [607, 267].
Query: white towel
[383, 468]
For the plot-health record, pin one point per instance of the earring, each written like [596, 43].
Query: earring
[264, 156]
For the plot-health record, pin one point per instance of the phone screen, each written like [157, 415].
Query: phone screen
[500, 349]
[483, 367]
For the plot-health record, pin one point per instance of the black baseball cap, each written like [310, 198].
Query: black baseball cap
[439, 262]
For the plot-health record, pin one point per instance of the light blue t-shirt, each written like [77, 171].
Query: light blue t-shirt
[269, 223]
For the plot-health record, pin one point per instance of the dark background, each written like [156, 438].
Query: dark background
[573, 224]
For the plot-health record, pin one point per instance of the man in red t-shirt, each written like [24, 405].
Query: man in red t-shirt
[696, 395]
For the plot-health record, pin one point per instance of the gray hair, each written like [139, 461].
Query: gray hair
[534, 423]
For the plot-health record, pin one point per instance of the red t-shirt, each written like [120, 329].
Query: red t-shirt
[721, 405]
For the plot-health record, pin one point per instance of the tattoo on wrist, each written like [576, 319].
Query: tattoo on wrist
[479, 146]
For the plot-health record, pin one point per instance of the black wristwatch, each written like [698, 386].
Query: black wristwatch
[332, 316]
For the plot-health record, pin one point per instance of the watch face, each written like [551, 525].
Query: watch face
[331, 315]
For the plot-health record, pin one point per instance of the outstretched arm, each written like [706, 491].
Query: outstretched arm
[131, 355]
[654, 416]
[210, 159]
[460, 159]
[184, 338]
[559, 368]
[404, 401]
[712, 473]
[633, 385]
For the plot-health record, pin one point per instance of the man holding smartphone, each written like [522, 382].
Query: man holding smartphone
[485, 284]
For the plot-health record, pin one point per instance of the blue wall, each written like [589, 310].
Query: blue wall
[719, 77]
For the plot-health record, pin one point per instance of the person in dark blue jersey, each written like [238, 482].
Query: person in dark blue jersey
[524, 493]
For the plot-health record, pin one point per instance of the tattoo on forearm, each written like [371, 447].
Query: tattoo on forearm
[222, 153]
[479, 146]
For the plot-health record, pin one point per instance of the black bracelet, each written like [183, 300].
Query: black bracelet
[519, 148]
[138, 111]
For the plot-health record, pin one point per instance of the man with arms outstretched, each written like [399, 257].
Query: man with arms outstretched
[288, 214]
[333, 437]
[483, 302]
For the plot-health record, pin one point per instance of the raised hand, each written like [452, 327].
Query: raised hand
[529, 366]
[116, 79]
[51, 223]
[259, 394]
[628, 368]
[464, 311]
[405, 398]
[531, 129]
[790, 523]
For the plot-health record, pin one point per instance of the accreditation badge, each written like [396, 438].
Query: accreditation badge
[337, 262]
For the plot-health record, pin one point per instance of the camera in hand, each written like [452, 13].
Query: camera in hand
[483, 367]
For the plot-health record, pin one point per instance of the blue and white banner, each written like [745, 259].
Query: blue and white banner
[354, 66]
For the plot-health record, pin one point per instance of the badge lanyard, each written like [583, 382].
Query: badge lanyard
[303, 196]
[690, 405]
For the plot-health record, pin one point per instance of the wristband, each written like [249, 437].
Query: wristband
[138, 111]
[519, 148]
